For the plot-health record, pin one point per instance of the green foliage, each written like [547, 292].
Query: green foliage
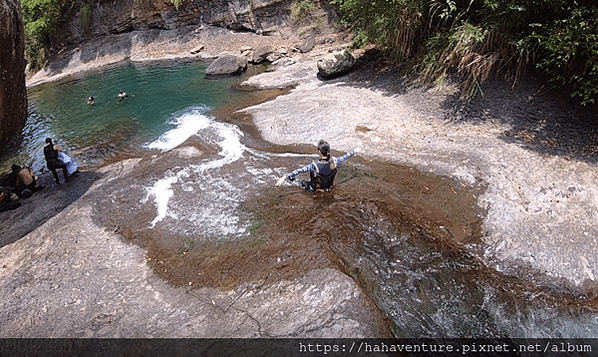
[177, 3]
[41, 18]
[570, 52]
[85, 17]
[35, 52]
[302, 11]
[305, 13]
[360, 39]
[395, 25]
[458, 49]
[477, 38]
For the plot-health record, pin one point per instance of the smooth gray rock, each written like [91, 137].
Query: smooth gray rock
[308, 45]
[227, 65]
[335, 64]
[72, 278]
[261, 54]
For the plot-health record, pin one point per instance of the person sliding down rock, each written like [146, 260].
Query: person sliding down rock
[321, 171]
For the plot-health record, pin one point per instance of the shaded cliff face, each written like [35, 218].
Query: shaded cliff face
[105, 17]
[13, 93]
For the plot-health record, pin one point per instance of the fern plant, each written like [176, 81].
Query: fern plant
[177, 3]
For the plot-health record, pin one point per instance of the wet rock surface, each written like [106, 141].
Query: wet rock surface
[74, 278]
[527, 164]
[531, 149]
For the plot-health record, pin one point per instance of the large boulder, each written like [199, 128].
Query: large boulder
[307, 45]
[261, 54]
[336, 64]
[226, 65]
[13, 92]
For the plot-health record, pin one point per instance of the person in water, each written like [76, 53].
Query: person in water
[91, 100]
[122, 95]
[321, 171]
[53, 162]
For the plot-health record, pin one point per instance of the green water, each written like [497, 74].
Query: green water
[159, 94]
[424, 288]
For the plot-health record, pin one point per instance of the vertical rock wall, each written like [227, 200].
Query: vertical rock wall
[113, 17]
[13, 92]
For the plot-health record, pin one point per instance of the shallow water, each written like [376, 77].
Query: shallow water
[172, 99]
[209, 215]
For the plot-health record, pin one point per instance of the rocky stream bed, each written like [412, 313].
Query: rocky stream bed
[523, 159]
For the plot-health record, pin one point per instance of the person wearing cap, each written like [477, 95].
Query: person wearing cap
[322, 171]
[53, 162]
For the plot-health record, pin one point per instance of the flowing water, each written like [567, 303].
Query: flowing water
[171, 100]
[208, 213]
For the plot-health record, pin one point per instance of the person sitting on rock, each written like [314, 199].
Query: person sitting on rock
[52, 160]
[26, 182]
[322, 171]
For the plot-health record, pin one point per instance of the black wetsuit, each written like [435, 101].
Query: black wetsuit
[54, 162]
[321, 172]
[323, 175]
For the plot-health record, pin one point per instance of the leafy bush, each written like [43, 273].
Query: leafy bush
[477, 38]
[302, 11]
[305, 13]
[85, 17]
[570, 52]
[41, 18]
[394, 25]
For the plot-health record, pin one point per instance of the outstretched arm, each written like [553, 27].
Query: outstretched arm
[291, 175]
[340, 160]
[311, 167]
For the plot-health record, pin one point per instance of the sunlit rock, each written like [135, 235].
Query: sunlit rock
[227, 64]
[336, 64]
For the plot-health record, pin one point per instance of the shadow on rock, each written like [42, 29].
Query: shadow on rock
[43, 205]
[530, 114]
[534, 116]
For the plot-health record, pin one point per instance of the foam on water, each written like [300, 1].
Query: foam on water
[202, 197]
[162, 192]
[202, 183]
[187, 123]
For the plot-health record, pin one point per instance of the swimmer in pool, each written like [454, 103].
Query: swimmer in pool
[122, 95]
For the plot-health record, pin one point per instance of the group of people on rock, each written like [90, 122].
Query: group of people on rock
[22, 183]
